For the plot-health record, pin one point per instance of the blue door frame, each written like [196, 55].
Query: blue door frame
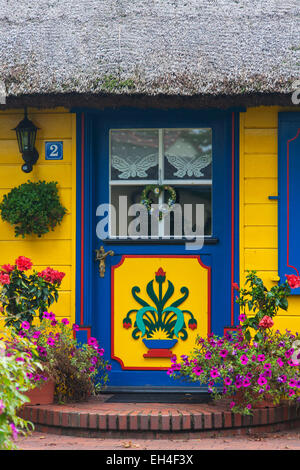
[220, 252]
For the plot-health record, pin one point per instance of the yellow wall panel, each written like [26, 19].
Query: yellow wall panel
[261, 214]
[259, 190]
[12, 175]
[261, 259]
[51, 126]
[261, 141]
[258, 214]
[262, 236]
[263, 118]
[41, 251]
[260, 166]
[9, 152]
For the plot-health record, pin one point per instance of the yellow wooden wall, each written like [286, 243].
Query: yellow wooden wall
[55, 249]
[258, 214]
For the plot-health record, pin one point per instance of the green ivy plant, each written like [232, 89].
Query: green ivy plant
[34, 208]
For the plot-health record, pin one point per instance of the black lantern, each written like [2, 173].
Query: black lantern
[26, 135]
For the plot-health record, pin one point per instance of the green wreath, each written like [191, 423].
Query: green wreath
[156, 190]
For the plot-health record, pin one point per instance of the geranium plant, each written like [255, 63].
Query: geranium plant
[24, 294]
[33, 208]
[258, 305]
[18, 361]
[79, 370]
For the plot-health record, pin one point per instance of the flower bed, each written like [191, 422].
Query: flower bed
[252, 364]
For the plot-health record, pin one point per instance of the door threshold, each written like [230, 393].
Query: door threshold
[149, 389]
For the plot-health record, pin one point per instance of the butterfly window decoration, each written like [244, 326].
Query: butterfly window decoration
[188, 154]
[134, 154]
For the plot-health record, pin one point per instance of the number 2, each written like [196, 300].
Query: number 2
[53, 150]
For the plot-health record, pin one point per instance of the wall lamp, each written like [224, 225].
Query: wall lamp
[26, 135]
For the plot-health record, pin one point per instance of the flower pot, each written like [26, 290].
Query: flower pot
[42, 395]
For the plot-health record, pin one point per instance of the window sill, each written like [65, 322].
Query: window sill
[159, 241]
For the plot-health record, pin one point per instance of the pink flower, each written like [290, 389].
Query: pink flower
[108, 367]
[242, 318]
[50, 341]
[244, 359]
[197, 370]
[223, 352]
[266, 322]
[232, 404]
[261, 357]
[23, 263]
[75, 327]
[65, 321]
[262, 381]
[92, 341]
[25, 325]
[214, 373]
[246, 383]
[280, 362]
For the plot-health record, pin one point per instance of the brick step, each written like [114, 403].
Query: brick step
[95, 418]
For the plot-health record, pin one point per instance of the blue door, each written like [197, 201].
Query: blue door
[158, 190]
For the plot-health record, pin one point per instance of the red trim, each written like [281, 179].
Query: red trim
[112, 303]
[84, 328]
[232, 220]
[82, 222]
[288, 202]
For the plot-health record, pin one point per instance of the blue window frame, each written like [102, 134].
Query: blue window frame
[288, 195]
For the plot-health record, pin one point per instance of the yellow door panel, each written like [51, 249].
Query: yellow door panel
[152, 280]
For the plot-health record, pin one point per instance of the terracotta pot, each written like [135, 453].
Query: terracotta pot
[42, 395]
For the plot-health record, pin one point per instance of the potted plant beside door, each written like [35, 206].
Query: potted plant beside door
[253, 366]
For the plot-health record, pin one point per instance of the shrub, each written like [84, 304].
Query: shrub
[33, 208]
[24, 296]
[18, 360]
[248, 373]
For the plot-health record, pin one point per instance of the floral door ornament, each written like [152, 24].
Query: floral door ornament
[160, 304]
[162, 325]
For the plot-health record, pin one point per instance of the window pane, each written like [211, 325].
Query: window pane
[192, 195]
[187, 154]
[134, 154]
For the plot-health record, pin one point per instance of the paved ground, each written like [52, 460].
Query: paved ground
[289, 440]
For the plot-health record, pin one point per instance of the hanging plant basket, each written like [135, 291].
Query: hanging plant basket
[33, 208]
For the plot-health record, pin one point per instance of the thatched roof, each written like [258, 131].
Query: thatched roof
[111, 50]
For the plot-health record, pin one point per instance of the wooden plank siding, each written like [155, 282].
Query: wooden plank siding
[258, 214]
[56, 248]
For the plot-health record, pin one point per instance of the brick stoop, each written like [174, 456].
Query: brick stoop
[96, 418]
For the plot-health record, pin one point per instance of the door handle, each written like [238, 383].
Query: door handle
[101, 257]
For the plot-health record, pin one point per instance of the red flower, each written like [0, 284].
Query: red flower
[4, 278]
[266, 322]
[127, 325]
[51, 275]
[7, 268]
[23, 263]
[160, 275]
[192, 324]
[293, 280]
